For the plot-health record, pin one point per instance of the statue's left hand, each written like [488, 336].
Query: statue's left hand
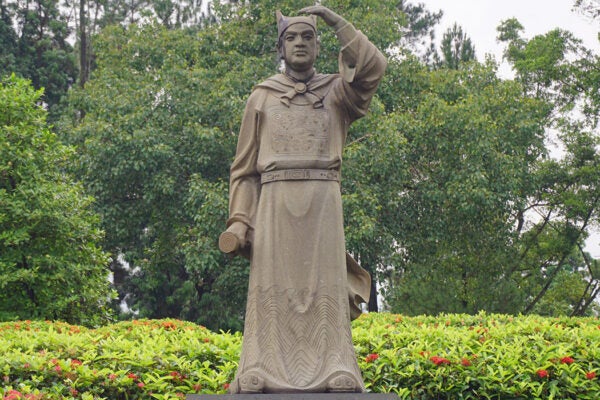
[330, 17]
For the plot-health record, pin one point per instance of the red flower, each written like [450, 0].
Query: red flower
[133, 376]
[13, 395]
[465, 362]
[140, 384]
[112, 377]
[439, 360]
[542, 373]
[75, 363]
[226, 386]
[567, 360]
[590, 375]
[169, 325]
[371, 357]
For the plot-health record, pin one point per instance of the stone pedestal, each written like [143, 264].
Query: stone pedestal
[295, 396]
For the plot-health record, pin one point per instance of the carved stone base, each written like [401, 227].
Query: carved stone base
[295, 396]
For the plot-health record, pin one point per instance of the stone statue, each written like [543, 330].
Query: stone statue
[286, 213]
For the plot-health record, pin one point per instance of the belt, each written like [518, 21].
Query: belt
[300, 174]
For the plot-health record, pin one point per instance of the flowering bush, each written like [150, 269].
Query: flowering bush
[159, 359]
[450, 356]
[480, 357]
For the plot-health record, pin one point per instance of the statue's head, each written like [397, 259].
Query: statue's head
[297, 43]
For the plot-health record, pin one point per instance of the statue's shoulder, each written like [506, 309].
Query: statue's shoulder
[277, 83]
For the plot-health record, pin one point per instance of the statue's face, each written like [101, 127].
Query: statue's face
[300, 47]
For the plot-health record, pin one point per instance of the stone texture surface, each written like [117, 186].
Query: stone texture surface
[285, 205]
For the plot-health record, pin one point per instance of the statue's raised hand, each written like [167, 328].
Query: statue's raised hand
[330, 17]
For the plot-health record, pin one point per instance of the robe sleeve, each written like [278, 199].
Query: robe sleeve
[361, 66]
[244, 183]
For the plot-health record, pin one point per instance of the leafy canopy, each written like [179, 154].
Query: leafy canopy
[51, 266]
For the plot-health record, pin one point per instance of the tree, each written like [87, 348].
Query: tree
[51, 266]
[156, 129]
[471, 139]
[474, 147]
[90, 16]
[590, 8]
[456, 48]
[419, 32]
[439, 179]
[556, 69]
[35, 34]
[151, 128]
[8, 40]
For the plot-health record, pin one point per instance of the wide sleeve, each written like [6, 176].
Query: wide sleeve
[244, 181]
[361, 66]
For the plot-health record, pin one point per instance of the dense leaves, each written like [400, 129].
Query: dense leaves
[152, 126]
[456, 48]
[453, 167]
[50, 265]
[454, 199]
[34, 45]
[556, 69]
[450, 356]
[156, 129]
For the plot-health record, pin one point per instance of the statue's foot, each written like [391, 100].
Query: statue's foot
[343, 382]
[251, 384]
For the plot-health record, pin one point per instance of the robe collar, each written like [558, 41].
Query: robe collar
[314, 90]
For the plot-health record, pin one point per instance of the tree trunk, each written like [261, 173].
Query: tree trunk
[373, 303]
[83, 53]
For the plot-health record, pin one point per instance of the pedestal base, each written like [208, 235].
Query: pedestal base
[295, 396]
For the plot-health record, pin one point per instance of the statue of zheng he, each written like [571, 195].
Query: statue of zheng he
[286, 213]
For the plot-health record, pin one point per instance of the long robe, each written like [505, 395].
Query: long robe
[297, 335]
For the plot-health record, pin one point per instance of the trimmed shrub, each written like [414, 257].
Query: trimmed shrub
[444, 357]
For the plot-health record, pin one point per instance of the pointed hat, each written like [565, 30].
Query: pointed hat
[284, 22]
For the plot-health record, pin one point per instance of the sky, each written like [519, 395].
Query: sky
[480, 18]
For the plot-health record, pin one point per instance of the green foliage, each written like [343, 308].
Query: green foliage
[33, 39]
[440, 180]
[158, 131]
[449, 356]
[556, 69]
[50, 262]
[480, 356]
[462, 169]
[140, 359]
[590, 8]
[456, 48]
[420, 29]
[156, 128]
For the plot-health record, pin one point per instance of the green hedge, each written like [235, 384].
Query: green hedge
[445, 357]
